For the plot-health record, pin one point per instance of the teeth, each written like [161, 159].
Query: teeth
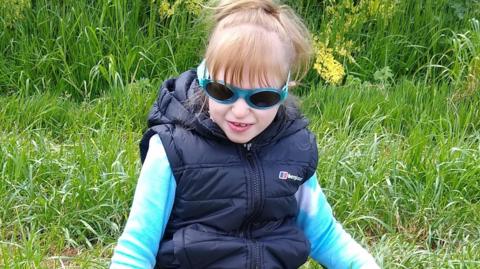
[240, 124]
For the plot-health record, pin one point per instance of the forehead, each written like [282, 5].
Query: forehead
[247, 56]
[248, 79]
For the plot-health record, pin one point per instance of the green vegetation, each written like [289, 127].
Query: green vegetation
[398, 133]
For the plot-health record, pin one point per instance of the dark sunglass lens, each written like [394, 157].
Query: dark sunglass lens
[219, 91]
[265, 99]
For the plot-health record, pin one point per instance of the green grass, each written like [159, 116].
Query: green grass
[403, 183]
[84, 48]
[400, 166]
[68, 173]
[398, 156]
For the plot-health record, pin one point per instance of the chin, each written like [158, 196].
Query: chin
[239, 140]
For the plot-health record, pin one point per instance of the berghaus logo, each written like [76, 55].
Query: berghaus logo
[285, 175]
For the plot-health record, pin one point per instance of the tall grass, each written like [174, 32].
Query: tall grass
[398, 146]
[430, 40]
[399, 165]
[84, 48]
[68, 172]
[403, 161]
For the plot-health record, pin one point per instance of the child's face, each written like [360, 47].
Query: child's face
[240, 122]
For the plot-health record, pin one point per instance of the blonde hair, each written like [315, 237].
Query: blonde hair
[242, 35]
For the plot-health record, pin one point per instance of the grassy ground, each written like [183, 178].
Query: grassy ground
[399, 165]
[399, 146]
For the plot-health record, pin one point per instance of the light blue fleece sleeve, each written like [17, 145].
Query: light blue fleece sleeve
[152, 204]
[331, 245]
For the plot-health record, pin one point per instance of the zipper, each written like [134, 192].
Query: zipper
[255, 177]
[256, 259]
[256, 202]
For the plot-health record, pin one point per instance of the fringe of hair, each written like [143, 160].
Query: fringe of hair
[264, 18]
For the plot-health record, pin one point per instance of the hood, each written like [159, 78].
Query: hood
[172, 107]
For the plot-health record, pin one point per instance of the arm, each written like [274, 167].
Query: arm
[153, 201]
[331, 245]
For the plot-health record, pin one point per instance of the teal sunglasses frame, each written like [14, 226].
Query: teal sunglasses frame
[237, 92]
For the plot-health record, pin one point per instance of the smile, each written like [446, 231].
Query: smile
[239, 126]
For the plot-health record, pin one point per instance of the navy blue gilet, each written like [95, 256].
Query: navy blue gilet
[234, 204]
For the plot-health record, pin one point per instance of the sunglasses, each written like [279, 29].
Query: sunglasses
[258, 98]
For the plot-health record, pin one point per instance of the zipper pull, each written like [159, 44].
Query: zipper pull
[248, 146]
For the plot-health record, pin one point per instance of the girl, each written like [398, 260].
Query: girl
[228, 177]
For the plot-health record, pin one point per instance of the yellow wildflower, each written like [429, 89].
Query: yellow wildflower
[194, 6]
[325, 64]
[13, 10]
[331, 11]
[165, 9]
[380, 9]
[340, 50]
[344, 49]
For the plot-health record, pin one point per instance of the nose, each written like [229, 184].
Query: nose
[240, 108]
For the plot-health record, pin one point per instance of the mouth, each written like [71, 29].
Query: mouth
[238, 126]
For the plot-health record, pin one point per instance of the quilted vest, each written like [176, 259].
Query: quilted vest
[234, 204]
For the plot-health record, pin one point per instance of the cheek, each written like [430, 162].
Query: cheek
[267, 116]
[214, 109]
